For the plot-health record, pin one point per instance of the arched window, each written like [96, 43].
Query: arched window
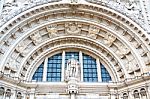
[2, 91]
[136, 94]
[125, 96]
[55, 65]
[38, 75]
[105, 75]
[19, 95]
[8, 94]
[54, 68]
[143, 92]
[89, 69]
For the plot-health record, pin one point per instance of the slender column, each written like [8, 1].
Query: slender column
[13, 96]
[98, 70]
[130, 95]
[63, 66]
[45, 69]
[81, 64]
[32, 93]
[72, 96]
[4, 95]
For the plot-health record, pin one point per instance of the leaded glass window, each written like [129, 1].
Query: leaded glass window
[105, 75]
[54, 68]
[38, 75]
[89, 69]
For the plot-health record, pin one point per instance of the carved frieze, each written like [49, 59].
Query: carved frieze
[122, 51]
[36, 38]
[72, 28]
[52, 30]
[12, 64]
[109, 39]
[93, 31]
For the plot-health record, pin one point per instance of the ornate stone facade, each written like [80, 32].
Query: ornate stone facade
[115, 31]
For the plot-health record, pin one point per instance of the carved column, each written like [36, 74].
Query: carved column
[13, 96]
[32, 93]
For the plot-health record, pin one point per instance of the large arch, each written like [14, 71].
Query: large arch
[30, 36]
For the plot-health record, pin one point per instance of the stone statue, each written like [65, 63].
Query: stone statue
[72, 69]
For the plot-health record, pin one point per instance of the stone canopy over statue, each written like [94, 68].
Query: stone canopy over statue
[72, 69]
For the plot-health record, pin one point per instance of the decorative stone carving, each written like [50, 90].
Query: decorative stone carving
[52, 30]
[72, 28]
[2, 51]
[72, 69]
[74, 1]
[130, 67]
[109, 39]
[122, 51]
[93, 31]
[21, 49]
[12, 64]
[36, 38]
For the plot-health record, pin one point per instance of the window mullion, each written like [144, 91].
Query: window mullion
[63, 66]
[81, 64]
[45, 69]
[98, 70]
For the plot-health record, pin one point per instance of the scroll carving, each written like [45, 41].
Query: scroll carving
[109, 39]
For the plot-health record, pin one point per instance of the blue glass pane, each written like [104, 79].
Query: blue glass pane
[38, 75]
[105, 75]
[54, 68]
[89, 69]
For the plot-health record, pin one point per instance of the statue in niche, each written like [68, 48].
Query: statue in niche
[72, 28]
[36, 38]
[109, 39]
[52, 30]
[93, 30]
[72, 69]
